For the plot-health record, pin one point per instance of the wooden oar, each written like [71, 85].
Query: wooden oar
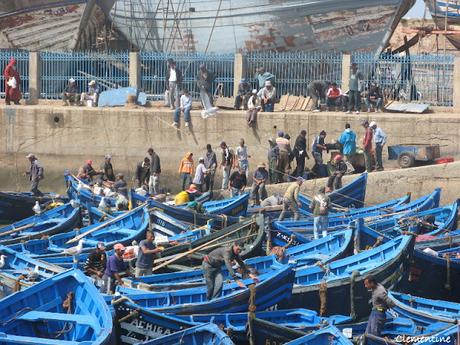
[191, 251]
[113, 220]
[21, 228]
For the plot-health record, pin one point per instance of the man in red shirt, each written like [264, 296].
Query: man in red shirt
[367, 145]
[334, 97]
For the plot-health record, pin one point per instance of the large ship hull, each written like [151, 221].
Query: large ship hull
[55, 25]
[236, 25]
[446, 12]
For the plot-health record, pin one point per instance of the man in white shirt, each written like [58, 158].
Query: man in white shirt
[242, 155]
[200, 174]
[173, 83]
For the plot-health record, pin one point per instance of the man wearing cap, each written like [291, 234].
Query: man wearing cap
[87, 172]
[367, 145]
[114, 268]
[263, 76]
[200, 174]
[226, 163]
[284, 146]
[95, 264]
[334, 181]
[244, 92]
[35, 173]
[107, 169]
[267, 97]
[143, 173]
[291, 199]
[380, 138]
[92, 94]
[204, 80]
[320, 207]
[70, 93]
[210, 163]
[147, 251]
[173, 83]
[253, 108]
[259, 178]
[212, 268]
[155, 171]
[300, 152]
[273, 156]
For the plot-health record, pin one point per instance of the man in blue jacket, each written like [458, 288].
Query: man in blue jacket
[348, 141]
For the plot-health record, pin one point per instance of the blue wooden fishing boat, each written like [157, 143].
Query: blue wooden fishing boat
[423, 310]
[19, 271]
[15, 206]
[447, 336]
[64, 309]
[303, 229]
[81, 190]
[435, 273]
[167, 225]
[272, 288]
[236, 206]
[57, 220]
[250, 231]
[388, 262]
[186, 215]
[206, 334]
[323, 250]
[124, 229]
[351, 195]
[328, 335]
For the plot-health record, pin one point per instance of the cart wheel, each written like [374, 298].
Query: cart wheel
[406, 160]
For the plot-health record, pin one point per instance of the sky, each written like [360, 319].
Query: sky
[417, 11]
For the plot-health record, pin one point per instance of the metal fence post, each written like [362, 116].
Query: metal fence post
[238, 72]
[34, 77]
[456, 84]
[134, 70]
[346, 62]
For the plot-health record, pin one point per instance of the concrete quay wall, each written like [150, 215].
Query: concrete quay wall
[64, 137]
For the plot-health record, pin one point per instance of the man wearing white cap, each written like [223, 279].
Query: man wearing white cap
[70, 93]
[92, 95]
[380, 138]
[267, 97]
[253, 108]
[200, 174]
[35, 174]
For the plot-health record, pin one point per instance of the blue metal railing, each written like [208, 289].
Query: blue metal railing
[293, 71]
[154, 66]
[22, 64]
[110, 70]
[424, 78]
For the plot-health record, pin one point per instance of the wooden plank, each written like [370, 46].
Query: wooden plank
[306, 103]
[281, 106]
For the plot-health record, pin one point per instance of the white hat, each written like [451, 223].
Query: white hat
[254, 91]
[72, 80]
[372, 124]
[108, 157]
[92, 82]
[201, 159]
[268, 83]
[30, 155]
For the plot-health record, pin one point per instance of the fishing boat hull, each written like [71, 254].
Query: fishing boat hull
[16, 206]
[389, 263]
[58, 220]
[434, 276]
[281, 26]
[273, 288]
[446, 15]
[64, 309]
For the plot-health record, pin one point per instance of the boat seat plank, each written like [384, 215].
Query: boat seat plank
[19, 339]
[44, 315]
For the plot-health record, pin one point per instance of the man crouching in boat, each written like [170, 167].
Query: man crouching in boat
[380, 304]
[212, 268]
